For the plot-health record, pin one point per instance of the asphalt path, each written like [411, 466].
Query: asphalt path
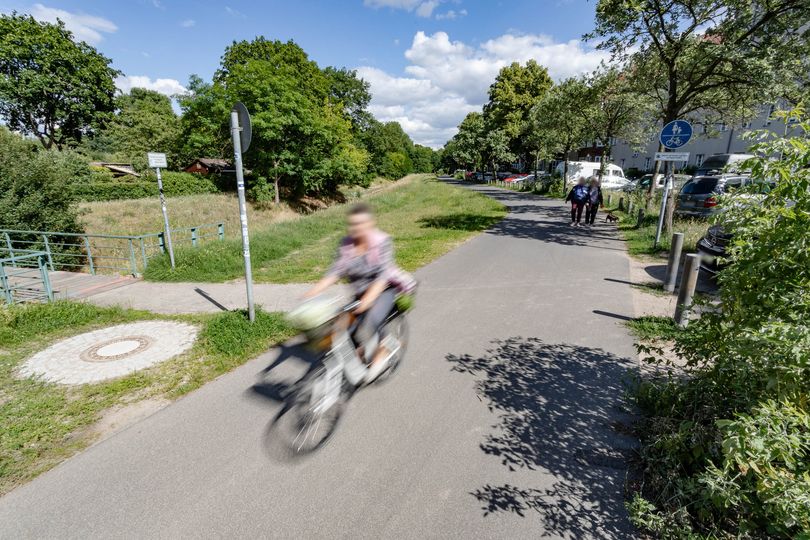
[504, 422]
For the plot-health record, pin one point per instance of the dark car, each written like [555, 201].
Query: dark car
[712, 249]
[698, 197]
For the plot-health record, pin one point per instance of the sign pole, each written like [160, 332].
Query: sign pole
[664, 197]
[240, 190]
[158, 161]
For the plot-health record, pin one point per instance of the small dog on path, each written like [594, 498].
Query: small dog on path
[611, 218]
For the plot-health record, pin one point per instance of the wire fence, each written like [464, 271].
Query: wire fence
[100, 253]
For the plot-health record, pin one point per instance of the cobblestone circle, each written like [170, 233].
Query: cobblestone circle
[110, 352]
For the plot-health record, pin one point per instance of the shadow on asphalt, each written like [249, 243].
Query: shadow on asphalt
[297, 362]
[557, 409]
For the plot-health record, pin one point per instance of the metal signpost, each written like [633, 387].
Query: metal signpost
[157, 161]
[674, 135]
[241, 135]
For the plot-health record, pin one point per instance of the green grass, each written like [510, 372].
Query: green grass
[43, 423]
[652, 328]
[640, 240]
[426, 219]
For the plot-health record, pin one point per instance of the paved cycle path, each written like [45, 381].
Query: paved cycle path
[504, 422]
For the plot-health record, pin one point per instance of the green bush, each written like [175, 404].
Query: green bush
[35, 185]
[726, 451]
[103, 187]
[396, 165]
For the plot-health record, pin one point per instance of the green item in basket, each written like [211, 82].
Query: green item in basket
[404, 302]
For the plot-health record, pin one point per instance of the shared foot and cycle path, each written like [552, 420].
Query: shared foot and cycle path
[507, 419]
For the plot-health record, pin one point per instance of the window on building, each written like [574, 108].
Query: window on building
[721, 127]
[699, 159]
[771, 110]
[647, 163]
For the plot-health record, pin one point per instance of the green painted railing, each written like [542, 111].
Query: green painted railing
[24, 278]
[100, 253]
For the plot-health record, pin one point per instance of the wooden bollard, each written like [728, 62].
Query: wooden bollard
[621, 203]
[640, 217]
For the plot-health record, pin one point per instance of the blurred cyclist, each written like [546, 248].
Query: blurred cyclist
[366, 259]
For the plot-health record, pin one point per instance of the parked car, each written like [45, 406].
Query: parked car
[698, 197]
[712, 249]
[643, 183]
[613, 178]
[722, 163]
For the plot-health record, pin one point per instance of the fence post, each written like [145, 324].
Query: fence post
[221, 231]
[194, 237]
[687, 290]
[610, 199]
[621, 203]
[48, 250]
[674, 262]
[132, 264]
[89, 255]
[10, 250]
[46, 280]
[162, 242]
[143, 253]
[4, 286]
[640, 218]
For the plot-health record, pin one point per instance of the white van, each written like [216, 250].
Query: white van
[613, 179]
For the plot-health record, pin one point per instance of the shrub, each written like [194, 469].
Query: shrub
[395, 165]
[35, 185]
[103, 187]
[726, 452]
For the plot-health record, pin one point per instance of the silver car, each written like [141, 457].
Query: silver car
[698, 197]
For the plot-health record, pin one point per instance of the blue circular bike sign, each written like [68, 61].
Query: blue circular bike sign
[676, 134]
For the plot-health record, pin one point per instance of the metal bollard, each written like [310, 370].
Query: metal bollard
[630, 206]
[640, 217]
[674, 262]
[687, 290]
[610, 199]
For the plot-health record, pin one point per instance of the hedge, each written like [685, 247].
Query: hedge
[102, 187]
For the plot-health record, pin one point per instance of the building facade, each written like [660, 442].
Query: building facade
[706, 141]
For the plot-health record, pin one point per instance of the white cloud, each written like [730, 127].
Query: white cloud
[188, 23]
[446, 79]
[87, 28]
[422, 8]
[451, 14]
[168, 87]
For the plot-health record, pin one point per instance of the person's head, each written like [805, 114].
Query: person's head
[581, 181]
[360, 221]
[594, 181]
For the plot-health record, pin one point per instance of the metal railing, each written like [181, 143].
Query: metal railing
[100, 253]
[24, 278]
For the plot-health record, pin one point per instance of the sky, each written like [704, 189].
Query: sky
[429, 62]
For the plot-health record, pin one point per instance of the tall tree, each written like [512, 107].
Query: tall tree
[516, 89]
[144, 121]
[468, 144]
[346, 88]
[52, 87]
[384, 139]
[562, 118]
[703, 57]
[617, 111]
[496, 149]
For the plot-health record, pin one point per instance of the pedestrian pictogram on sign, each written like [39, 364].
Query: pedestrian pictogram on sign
[676, 134]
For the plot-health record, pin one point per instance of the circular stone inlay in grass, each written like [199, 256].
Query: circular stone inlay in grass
[110, 352]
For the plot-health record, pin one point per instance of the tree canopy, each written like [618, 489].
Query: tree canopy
[52, 87]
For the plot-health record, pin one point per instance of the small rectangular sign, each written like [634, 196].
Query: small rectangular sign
[156, 160]
[672, 156]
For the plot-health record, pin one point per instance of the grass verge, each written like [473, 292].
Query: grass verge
[426, 219]
[640, 239]
[652, 328]
[43, 423]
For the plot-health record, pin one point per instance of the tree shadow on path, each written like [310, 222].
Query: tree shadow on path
[559, 410]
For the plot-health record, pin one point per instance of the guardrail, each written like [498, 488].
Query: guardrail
[24, 278]
[100, 253]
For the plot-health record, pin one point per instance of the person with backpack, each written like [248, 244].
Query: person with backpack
[595, 200]
[578, 197]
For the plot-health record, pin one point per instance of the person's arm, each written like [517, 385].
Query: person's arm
[570, 195]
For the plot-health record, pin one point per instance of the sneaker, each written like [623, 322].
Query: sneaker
[376, 369]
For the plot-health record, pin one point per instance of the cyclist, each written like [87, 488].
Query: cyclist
[366, 259]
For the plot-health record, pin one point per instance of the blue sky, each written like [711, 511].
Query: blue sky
[429, 62]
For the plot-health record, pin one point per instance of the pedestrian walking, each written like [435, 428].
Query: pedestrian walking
[578, 197]
[595, 201]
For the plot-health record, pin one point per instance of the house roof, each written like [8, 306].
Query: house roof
[120, 168]
[215, 162]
